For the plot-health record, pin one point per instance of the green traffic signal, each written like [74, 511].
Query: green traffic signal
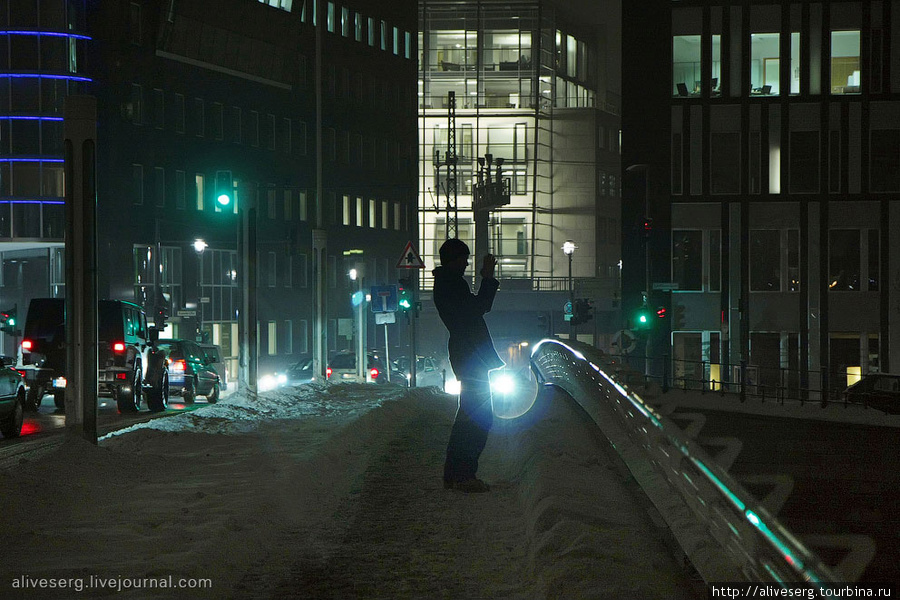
[405, 302]
[224, 188]
[642, 318]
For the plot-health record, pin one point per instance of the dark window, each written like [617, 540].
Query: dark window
[765, 260]
[687, 259]
[885, 160]
[725, 163]
[804, 173]
[874, 260]
[843, 260]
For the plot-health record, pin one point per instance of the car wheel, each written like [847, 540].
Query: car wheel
[158, 396]
[213, 396]
[11, 426]
[59, 399]
[188, 394]
[34, 397]
[129, 400]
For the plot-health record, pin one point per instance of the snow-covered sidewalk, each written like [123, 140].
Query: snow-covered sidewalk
[332, 491]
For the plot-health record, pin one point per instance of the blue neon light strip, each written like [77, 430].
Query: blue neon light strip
[32, 201]
[28, 118]
[46, 76]
[33, 159]
[77, 36]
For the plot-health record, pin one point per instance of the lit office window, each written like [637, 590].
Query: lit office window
[685, 65]
[345, 212]
[198, 186]
[359, 211]
[396, 41]
[345, 21]
[407, 45]
[795, 63]
[358, 27]
[373, 213]
[371, 32]
[764, 64]
[301, 208]
[845, 64]
[273, 338]
[384, 35]
[329, 19]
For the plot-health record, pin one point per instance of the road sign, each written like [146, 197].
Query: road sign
[567, 307]
[384, 298]
[384, 318]
[187, 313]
[665, 286]
[204, 300]
[410, 259]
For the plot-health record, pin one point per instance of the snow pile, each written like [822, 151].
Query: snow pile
[334, 491]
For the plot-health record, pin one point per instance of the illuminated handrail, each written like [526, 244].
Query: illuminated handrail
[754, 542]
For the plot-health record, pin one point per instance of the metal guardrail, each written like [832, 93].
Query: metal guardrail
[723, 529]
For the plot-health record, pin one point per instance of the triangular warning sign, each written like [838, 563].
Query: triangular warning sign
[410, 259]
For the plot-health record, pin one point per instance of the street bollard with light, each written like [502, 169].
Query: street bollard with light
[569, 248]
[199, 246]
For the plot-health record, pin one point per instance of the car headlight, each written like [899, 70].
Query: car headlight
[503, 384]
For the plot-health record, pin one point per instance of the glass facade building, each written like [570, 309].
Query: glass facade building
[777, 186]
[530, 89]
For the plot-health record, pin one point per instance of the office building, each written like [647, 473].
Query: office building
[769, 135]
[307, 108]
[536, 100]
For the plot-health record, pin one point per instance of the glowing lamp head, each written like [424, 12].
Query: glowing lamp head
[569, 248]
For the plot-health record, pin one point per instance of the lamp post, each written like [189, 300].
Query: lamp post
[199, 246]
[358, 301]
[569, 248]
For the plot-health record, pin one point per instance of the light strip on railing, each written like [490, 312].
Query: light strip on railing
[32, 201]
[784, 547]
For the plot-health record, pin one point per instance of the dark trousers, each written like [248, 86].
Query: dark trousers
[470, 429]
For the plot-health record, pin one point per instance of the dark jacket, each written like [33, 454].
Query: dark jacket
[471, 349]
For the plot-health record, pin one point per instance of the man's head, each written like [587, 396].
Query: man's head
[455, 254]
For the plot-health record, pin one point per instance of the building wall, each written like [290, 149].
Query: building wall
[778, 175]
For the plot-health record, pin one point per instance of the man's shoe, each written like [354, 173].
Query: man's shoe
[471, 486]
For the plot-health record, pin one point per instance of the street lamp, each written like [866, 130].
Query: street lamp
[568, 249]
[199, 246]
[358, 300]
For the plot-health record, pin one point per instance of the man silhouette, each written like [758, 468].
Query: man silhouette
[472, 357]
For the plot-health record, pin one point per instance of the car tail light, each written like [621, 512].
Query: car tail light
[21, 372]
[121, 375]
[327, 372]
[179, 366]
[27, 345]
[118, 347]
[373, 372]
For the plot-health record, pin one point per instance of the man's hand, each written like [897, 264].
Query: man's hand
[487, 266]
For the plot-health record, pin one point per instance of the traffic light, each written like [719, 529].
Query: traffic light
[643, 317]
[8, 321]
[405, 299]
[224, 189]
[582, 311]
[648, 226]
[662, 312]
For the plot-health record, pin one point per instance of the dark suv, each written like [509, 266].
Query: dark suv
[191, 372]
[128, 362]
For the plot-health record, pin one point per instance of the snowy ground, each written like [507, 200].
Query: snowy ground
[332, 491]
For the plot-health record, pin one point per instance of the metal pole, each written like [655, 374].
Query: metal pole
[571, 301]
[387, 353]
[80, 130]
[360, 333]
[414, 314]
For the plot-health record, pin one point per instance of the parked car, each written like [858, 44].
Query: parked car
[428, 371]
[214, 358]
[880, 391]
[12, 402]
[342, 367]
[300, 372]
[129, 363]
[190, 372]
